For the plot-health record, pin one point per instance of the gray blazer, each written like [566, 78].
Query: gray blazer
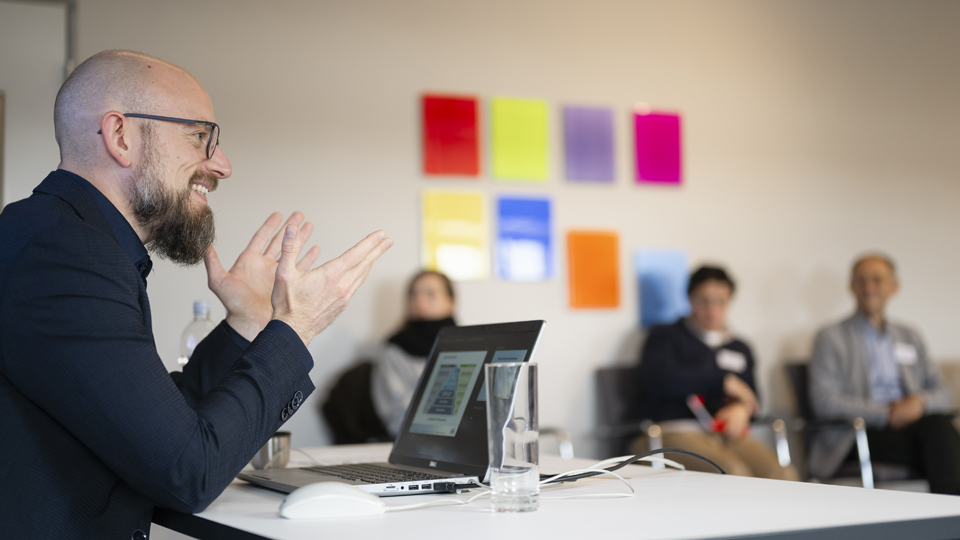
[840, 387]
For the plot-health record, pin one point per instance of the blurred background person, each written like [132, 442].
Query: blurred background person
[369, 400]
[397, 368]
[697, 355]
[870, 367]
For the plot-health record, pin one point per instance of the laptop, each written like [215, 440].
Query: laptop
[442, 445]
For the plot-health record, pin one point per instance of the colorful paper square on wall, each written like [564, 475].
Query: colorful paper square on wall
[658, 150]
[454, 234]
[524, 247]
[593, 269]
[519, 139]
[451, 142]
[662, 277]
[588, 143]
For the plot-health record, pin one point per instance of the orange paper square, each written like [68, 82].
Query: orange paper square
[593, 269]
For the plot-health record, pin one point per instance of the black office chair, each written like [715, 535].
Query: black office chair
[349, 409]
[619, 424]
[869, 472]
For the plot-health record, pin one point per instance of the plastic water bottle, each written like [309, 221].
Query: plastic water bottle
[194, 333]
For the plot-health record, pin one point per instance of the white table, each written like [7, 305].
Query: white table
[668, 505]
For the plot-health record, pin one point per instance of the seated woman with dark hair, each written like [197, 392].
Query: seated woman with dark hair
[698, 356]
[396, 371]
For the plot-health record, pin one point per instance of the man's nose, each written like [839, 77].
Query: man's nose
[219, 164]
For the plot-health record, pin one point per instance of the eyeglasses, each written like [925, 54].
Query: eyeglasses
[212, 136]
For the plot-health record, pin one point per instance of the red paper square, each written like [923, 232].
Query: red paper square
[450, 138]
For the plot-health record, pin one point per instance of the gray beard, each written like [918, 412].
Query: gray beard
[180, 232]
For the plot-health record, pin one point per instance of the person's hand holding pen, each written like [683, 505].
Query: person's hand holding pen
[733, 420]
[739, 391]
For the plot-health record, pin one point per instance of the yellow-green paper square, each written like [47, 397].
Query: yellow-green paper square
[519, 131]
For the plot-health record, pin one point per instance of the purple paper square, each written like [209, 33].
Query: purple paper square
[588, 143]
[658, 148]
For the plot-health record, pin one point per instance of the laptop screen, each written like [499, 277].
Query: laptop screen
[446, 423]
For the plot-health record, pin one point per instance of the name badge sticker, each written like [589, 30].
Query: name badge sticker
[731, 361]
[905, 353]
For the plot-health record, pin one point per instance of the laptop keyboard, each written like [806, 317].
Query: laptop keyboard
[372, 474]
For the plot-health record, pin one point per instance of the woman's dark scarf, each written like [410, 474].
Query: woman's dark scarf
[417, 337]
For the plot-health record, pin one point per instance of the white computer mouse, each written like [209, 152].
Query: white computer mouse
[327, 500]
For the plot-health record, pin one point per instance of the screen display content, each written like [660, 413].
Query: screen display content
[447, 422]
[450, 384]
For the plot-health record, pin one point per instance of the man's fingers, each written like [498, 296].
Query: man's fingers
[274, 248]
[366, 265]
[307, 261]
[305, 231]
[290, 250]
[260, 239]
[359, 271]
[357, 253]
[213, 265]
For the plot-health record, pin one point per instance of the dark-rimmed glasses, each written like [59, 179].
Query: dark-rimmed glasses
[213, 136]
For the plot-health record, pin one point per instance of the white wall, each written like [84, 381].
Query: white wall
[813, 130]
[32, 60]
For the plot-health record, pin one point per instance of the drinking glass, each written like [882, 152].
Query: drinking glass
[512, 436]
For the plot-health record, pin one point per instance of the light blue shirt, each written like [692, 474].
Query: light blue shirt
[885, 383]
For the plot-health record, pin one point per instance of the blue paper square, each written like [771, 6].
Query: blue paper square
[524, 247]
[662, 277]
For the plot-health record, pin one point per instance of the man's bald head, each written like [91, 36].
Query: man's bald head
[123, 81]
[874, 257]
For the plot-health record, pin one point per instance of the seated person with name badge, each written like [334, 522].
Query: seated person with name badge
[696, 366]
[870, 367]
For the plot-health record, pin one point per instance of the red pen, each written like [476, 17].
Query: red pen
[695, 402]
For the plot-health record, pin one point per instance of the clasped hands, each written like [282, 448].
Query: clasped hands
[260, 287]
[906, 411]
[735, 416]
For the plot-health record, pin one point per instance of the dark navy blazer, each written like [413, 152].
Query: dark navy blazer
[93, 430]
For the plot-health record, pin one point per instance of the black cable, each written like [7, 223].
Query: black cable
[634, 459]
[618, 466]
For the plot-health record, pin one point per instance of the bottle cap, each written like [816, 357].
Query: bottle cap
[201, 307]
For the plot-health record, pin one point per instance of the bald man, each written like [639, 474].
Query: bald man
[870, 367]
[95, 432]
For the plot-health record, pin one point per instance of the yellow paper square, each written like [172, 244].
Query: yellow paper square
[454, 234]
[519, 131]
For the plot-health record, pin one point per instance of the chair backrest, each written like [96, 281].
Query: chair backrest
[349, 409]
[797, 373]
[616, 391]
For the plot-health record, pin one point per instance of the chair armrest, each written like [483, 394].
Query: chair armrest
[779, 428]
[564, 440]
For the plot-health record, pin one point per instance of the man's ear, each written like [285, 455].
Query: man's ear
[117, 135]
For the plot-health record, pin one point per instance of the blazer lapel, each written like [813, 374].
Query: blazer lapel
[859, 363]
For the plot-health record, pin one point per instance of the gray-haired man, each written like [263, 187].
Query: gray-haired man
[870, 367]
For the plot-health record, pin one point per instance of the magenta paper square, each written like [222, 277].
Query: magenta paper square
[658, 148]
